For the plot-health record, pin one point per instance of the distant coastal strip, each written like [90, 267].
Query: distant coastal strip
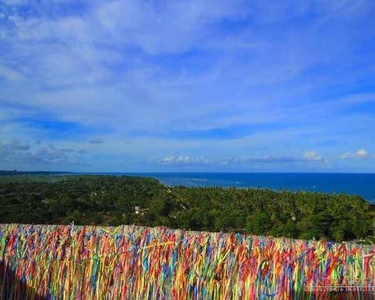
[349, 183]
[130, 262]
[332, 183]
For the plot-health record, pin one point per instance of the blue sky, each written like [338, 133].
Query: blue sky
[258, 86]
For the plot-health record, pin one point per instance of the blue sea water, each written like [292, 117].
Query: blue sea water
[353, 184]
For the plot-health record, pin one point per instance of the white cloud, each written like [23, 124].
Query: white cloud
[345, 155]
[176, 159]
[360, 154]
[187, 160]
[184, 160]
[311, 155]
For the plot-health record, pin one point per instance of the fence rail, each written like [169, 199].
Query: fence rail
[130, 262]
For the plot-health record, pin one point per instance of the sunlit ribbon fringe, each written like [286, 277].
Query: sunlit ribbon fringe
[130, 262]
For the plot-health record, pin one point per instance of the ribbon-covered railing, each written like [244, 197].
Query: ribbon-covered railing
[130, 262]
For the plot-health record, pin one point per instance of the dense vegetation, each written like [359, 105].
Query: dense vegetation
[110, 200]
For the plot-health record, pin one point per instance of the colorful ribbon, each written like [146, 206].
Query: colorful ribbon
[130, 262]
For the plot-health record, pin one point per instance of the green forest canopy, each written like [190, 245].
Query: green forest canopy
[112, 200]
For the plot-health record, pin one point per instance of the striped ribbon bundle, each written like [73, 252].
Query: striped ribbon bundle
[131, 262]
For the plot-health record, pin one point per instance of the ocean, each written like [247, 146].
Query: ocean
[353, 184]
